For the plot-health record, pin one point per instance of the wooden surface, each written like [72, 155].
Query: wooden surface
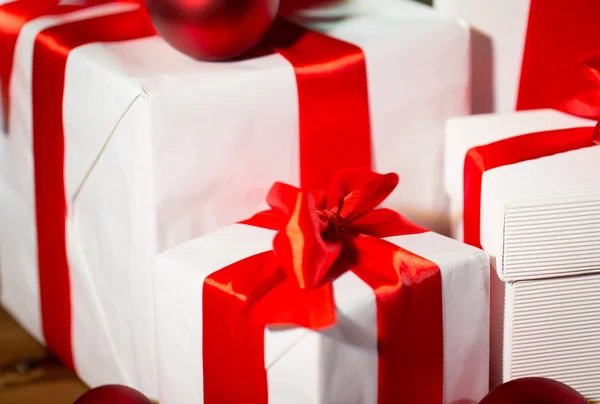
[28, 375]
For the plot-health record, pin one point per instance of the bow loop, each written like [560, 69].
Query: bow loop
[302, 247]
[309, 244]
[282, 198]
[312, 246]
[591, 65]
[353, 193]
[586, 104]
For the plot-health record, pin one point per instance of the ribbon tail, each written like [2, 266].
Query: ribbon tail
[232, 343]
[288, 305]
[408, 293]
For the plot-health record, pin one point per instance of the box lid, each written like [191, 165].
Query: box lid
[539, 218]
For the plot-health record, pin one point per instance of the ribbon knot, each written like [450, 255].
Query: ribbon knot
[329, 217]
[310, 244]
[318, 239]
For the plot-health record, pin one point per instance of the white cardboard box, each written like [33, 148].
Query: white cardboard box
[299, 361]
[161, 148]
[540, 224]
[499, 28]
[553, 199]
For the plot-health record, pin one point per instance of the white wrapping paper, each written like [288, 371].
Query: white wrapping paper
[335, 366]
[161, 148]
[499, 28]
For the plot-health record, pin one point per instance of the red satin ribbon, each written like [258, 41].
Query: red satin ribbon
[333, 112]
[320, 236]
[559, 33]
[333, 102]
[13, 16]
[51, 51]
[532, 146]
[511, 151]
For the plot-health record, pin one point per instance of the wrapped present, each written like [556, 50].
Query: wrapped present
[323, 299]
[519, 46]
[525, 187]
[120, 147]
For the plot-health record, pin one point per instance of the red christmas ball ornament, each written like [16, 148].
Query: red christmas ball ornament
[533, 390]
[113, 394]
[212, 29]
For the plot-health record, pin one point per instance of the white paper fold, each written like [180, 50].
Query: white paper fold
[161, 148]
[338, 365]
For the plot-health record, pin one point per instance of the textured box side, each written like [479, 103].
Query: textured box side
[552, 215]
[555, 332]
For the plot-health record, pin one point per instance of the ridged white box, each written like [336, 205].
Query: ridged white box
[540, 224]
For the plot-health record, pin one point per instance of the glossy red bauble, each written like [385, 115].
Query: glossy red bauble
[533, 390]
[113, 394]
[212, 29]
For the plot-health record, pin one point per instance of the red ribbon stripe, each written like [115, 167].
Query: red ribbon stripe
[511, 151]
[51, 52]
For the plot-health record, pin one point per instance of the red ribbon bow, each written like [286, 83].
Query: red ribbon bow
[320, 236]
[559, 33]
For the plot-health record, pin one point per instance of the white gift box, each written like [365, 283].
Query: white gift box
[298, 361]
[161, 148]
[499, 33]
[540, 224]
[550, 329]
[543, 202]
[505, 62]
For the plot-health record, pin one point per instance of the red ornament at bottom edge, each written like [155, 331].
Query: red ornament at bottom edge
[533, 390]
[113, 394]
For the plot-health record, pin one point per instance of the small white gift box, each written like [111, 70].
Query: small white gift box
[334, 365]
[540, 223]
